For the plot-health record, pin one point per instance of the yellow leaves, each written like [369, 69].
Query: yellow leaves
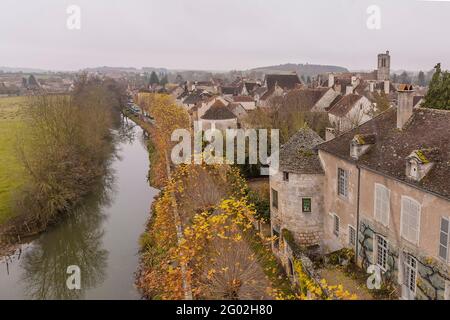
[211, 273]
[310, 289]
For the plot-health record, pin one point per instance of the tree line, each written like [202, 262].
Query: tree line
[65, 150]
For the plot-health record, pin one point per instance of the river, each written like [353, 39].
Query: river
[101, 238]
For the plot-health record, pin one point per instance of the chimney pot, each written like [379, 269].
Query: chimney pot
[405, 104]
[330, 80]
[348, 90]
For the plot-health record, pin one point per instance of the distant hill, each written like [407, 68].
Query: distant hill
[23, 70]
[311, 70]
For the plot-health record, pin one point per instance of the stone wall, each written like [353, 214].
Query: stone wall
[431, 274]
[307, 228]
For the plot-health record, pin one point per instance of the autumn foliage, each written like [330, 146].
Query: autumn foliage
[199, 243]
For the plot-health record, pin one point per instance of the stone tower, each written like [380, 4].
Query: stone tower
[384, 66]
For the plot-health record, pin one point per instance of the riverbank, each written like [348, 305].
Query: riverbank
[100, 236]
[62, 151]
[212, 203]
[12, 175]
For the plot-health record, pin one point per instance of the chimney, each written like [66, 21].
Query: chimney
[371, 86]
[348, 90]
[330, 80]
[404, 104]
[386, 86]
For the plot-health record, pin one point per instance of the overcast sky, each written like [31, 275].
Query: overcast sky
[222, 34]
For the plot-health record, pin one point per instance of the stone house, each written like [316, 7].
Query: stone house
[387, 196]
[310, 100]
[383, 192]
[218, 116]
[276, 85]
[204, 105]
[297, 193]
[238, 110]
[268, 97]
[350, 111]
[247, 102]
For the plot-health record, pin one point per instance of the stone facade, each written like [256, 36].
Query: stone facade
[359, 113]
[431, 276]
[344, 207]
[325, 101]
[432, 273]
[384, 66]
[306, 227]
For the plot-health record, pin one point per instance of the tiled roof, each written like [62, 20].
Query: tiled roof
[250, 86]
[416, 99]
[259, 91]
[218, 111]
[285, 81]
[243, 99]
[426, 129]
[229, 90]
[267, 94]
[344, 105]
[192, 99]
[304, 99]
[298, 154]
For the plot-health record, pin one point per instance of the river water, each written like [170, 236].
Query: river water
[101, 238]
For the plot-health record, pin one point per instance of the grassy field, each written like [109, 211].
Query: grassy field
[11, 172]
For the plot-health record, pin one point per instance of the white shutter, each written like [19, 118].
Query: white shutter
[410, 220]
[382, 204]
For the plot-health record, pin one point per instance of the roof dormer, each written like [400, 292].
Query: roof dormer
[360, 144]
[420, 162]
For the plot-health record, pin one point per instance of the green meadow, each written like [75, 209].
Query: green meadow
[12, 175]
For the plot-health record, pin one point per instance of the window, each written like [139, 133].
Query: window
[381, 204]
[443, 238]
[336, 225]
[381, 252]
[285, 176]
[276, 241]
[410, 274]
[410, 220]
[306, 204]
[342, 182]
[274, 198]
[351, 236]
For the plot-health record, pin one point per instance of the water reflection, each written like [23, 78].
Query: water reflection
[126, 133]
[101, 237]
[45, 266]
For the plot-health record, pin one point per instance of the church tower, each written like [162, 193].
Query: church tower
[384, 66]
